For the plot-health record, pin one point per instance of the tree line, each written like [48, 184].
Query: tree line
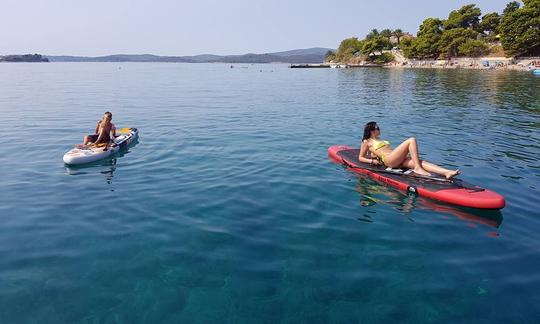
[464, 33]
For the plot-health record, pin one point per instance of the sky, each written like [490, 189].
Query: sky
[185, 27]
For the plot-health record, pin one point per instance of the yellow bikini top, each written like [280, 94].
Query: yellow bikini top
[377, 144]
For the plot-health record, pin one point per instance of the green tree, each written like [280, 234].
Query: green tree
[348, 48]
[373, 33]
[474, 48]
[424, 48]
[531, 3]
[383, 58]
[466, 17]
[386, 33]
[329, 56]
[375, 45]
[490, 24]
[520, 29]
[511, 7]
[398, 34]
[426, 45]
[430, 26]
[452, 39]
[407, 46]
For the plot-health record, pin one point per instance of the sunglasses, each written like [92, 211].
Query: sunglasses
[376, 128]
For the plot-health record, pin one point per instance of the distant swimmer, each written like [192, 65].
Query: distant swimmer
[377, 151]
[105, 131]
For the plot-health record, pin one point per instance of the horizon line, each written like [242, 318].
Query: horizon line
[103, 55]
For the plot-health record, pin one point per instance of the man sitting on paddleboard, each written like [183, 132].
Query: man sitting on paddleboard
[405, 155]
[105, 131]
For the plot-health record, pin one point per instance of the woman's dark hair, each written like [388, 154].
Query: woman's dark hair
[367, 130]
[108, 113]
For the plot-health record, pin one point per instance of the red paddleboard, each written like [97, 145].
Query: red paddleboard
[454, 191]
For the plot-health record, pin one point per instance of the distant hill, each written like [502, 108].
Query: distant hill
[307, 51]
[309, 55]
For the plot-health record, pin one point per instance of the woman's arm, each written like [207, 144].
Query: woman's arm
[100, 137]
[362, 157]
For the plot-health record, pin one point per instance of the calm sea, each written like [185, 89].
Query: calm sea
[228, 210]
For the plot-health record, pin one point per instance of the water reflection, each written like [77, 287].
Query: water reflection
[515, 89]
[438, 87]
[372, 193]
[468, 88]
[105, 167]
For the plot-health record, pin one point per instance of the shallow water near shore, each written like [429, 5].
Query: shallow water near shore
[229, 210]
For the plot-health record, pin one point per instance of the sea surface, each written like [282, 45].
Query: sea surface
[228, 210]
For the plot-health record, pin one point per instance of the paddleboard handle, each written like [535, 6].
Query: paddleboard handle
[412, 189]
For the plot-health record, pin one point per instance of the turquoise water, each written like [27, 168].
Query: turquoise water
[229, 210]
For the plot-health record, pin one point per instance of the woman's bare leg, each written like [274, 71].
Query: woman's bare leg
[399, 155]
[430, 167]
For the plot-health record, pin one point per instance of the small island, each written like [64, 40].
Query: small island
[33, 58]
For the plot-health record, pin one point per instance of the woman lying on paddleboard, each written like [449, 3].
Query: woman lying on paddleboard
[104, 130]
[405, 155]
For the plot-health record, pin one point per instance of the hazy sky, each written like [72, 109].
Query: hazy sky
[167, 27]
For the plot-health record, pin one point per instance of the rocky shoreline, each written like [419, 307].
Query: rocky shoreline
[475, 63]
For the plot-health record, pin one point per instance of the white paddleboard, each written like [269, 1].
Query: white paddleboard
[91, 153]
